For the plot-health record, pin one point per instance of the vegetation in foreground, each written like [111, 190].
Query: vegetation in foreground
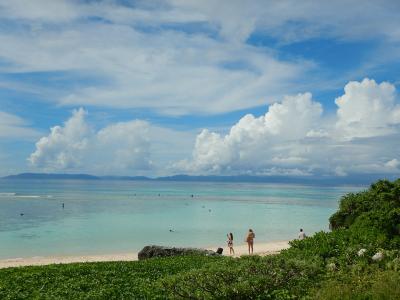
[341, 264]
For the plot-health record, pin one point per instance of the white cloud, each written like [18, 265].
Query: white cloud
[171, 72]
[291, 21]
[367, 109]
[258, 143]
[65, 146]
[14, 127]
[294, 137]
[339, 171]
[124, 145]
[39, 10]
[178, 57]
[75, 146]
[132, 147]
[232, 19]
[393, 163]
[320, 133]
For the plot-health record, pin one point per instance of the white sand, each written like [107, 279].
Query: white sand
[48, 260]
[240, 249]
[259, 248]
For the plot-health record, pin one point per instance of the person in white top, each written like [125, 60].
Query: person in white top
[302, 235]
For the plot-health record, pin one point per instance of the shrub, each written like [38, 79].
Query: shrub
[376, 285]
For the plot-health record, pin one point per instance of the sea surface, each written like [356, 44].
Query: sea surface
[105, 217]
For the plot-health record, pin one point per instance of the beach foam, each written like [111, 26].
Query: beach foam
[26, 196]
[7, 194]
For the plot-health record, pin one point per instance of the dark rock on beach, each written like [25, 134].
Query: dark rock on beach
[160, 251]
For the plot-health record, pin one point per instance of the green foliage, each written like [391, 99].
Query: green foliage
[248, 277]
[113, 280]
[367, 285]
[377, 208]
[324, 266]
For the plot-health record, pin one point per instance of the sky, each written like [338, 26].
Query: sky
[119, 87]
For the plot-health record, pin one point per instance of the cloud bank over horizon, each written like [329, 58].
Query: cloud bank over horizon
[119, 148]
[293, 138]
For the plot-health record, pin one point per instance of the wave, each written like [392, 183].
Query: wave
[7, 194]
[16, 195]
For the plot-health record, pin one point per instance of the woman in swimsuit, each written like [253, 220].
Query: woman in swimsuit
[230, 243]
[250, 240]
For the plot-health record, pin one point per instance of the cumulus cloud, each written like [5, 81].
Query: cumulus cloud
[393, 163]
[295, 137]
[65, 146]
[131, 147]
[367, 109]
[76, 145]
[257, 143]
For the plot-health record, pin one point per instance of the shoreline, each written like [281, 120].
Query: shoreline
[263, 248]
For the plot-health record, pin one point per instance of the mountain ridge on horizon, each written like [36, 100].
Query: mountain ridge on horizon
[331, 180]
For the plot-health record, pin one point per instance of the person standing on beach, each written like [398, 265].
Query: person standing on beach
[302, 235]
[230, 243]
[250, 240]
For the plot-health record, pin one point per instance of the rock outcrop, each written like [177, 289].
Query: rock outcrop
[161, 251]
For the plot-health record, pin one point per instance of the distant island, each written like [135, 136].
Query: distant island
[51, 176]
[309, 180]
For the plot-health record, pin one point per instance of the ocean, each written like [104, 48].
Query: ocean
[110, 216]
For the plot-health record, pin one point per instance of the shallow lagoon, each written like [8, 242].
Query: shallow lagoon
[104, 217]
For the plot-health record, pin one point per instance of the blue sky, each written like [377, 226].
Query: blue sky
[200, 87]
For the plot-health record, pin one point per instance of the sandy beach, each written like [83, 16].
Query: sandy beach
[259, 248]
[240, 249]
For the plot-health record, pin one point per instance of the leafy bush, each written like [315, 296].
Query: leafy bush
[248, 277]
[111, 280]
[367, 285]
[377, 207]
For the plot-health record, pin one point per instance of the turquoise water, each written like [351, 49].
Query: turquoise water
[104, 217]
